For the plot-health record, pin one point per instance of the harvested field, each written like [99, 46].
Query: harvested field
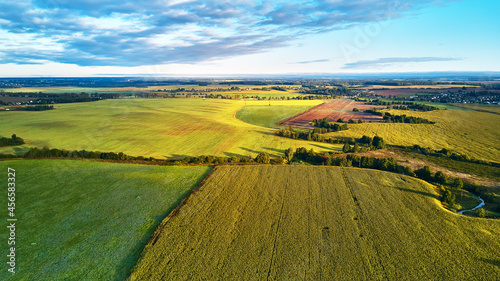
[333, 110]
[318, 223]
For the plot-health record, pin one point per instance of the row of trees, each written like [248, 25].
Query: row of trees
[334, 127]
[391, 118]
[36, 108]
[36, 153]
[447, 153]
[404, 105]
[13, 140]
[332, 92]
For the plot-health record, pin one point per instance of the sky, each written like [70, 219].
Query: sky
[203, 38]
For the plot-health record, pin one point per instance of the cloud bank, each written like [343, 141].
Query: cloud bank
[383, 62]
[135, 33]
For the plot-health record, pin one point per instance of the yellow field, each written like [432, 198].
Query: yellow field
[318, 223]
[480, 107]
[470, 132]
[149, 127]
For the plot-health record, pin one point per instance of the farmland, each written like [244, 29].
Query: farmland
[244, 90]
[285, 222]
[160, 128]
[469, 132]
[83, 220]
[260, 113]
[333, 110]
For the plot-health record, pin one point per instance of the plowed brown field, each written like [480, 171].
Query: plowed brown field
[333, 110]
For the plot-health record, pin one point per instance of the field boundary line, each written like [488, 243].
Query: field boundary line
[280, 123]
[156, 234]
[277, 231]
[365, 229]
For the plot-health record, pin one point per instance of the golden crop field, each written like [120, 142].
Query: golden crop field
[318, 223]
[474, 133]
[160, 128]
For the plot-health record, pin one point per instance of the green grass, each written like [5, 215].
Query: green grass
[82, 220]
[464, 199]
[319, 223]
[265, 115]
[160, 128]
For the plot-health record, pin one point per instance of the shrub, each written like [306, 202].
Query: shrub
[263, 158]
[448, 198]
[480, 213]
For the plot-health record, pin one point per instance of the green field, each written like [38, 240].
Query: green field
[159, 128]
[81, 220]
[267, 114]
[318, 223]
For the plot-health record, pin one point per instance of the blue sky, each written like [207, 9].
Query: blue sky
[182, 37]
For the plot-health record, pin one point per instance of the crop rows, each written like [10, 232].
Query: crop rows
[318, 223]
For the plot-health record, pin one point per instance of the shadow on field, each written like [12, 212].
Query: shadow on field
[323, 147]
[175, 156]
[20, 150]
[275, 150]
[128, 263]
[490, 261]
[266, 133]
[257, 152]
[418, 192]
[229, 154]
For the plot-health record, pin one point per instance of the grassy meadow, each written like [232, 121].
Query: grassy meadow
[160, 128]
[82, 220]
[318, 223]
[261, 113]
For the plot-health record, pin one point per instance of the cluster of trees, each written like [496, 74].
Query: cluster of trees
[391, 118]
[261, 158]
[36, 153]
[329, 159]
[332, 92]
[334, 127]
[36, 108]
[404, 105]
[448, 154]
[309, 135]
[13, 140]
[312, 135]
[365, 143]
[47, 98]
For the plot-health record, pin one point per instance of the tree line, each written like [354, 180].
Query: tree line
[392, 118]
[331, 126]
[35, 108]
[332, 92]
[447, 153]
[404, 105]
